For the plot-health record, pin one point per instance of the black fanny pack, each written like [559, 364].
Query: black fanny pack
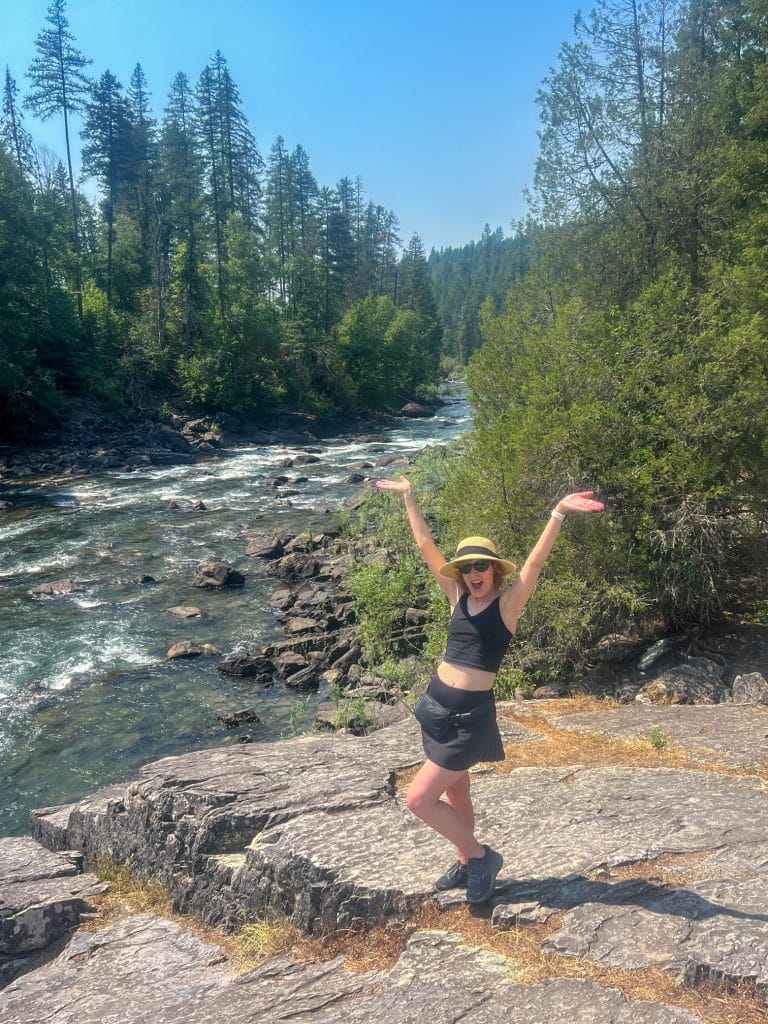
[439, 723]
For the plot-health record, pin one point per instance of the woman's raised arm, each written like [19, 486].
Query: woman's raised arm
[421, 532]
[516, 597]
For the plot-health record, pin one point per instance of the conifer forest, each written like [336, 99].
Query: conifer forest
[615, 338]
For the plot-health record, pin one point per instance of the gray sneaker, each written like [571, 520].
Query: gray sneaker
[454, 878]
[481, 875]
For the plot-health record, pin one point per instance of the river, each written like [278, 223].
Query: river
[86, 693]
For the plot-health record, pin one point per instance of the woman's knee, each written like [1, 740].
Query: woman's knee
[418, 801]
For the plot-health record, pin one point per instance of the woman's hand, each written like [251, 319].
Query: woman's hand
[402, 486]
[580, 501]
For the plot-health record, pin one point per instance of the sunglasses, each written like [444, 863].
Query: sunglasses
[465, 568]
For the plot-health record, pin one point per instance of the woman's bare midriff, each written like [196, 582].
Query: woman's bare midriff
[463, 678]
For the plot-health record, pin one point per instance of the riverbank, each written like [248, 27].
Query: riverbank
[634, 887]
[88, 692]
[91, 441]
[633, 891]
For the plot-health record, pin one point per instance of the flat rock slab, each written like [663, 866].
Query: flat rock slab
[313, 829]
[734, 734]
[42, 895]
[147, 969]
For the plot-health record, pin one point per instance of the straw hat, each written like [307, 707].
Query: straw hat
[474, 549]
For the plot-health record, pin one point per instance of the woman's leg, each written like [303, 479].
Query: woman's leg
[458, 796]
[423, 799]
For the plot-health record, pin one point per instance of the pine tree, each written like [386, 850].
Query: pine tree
[108, 153]
[139, 198]
[59, 85]
[416, 296]
[180, 240]
[12, 131]
[278, 215]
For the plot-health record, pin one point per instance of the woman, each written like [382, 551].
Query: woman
[483, 623]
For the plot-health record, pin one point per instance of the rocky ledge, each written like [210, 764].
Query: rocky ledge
[631, 868]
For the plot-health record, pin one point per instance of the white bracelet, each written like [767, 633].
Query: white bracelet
[559, 516]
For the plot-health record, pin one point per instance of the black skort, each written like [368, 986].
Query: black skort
[470, 742]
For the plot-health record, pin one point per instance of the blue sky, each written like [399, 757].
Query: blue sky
[431, 102]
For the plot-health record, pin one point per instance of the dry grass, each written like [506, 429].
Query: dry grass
[668, 869]
[126, 895]
[378, 948]
[564, 747]
[529, 964]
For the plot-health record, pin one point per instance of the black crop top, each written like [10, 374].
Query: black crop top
[477, 641]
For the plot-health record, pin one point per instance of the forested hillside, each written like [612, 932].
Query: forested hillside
[202, 272]
[467, 277]
[630, 355]
[633, 358]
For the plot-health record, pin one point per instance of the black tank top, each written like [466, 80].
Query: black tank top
[477, 641]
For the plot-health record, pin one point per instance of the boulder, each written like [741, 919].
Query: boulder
[392, 460]
[282, 600]
[56, 588]
[248, 666]
[415, 410]
[184, 649]
[658, 650]
[288, 663]
[264, 545]
[295, 567]
[697, 681]
[550, 691]
[750, 688]
[213, 575]
[187, 611]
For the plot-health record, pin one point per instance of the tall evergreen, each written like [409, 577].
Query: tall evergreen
[183, 292]
[278, 215]
[108, 153]
[12, 131]
[58, 84]
[142, 164]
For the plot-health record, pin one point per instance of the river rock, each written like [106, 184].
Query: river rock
[187, 611]
[215, 575]
[303, 680]
[248, 666]
[56, 588]
[305, 460]
[392, 460]
[349, 657]
[295, 567]
[264, 545]
[184, 649]
[415, 410]
[282, 600]
[232, 719]
[289, 662]
[301, 624]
